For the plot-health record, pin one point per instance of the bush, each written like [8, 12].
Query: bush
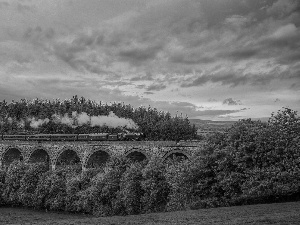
[51, 190]
[131, 190]
[77, 189]
[2, 183]
[272, 184]
[14, 175]
[106, 188]
[191, 182]
[29, 182]
[155, 186]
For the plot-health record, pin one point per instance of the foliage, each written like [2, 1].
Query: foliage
[2, 183]
[253, 162]
[51, 189]
[106, 191]
[155, 186]
[131, 191]
[191, 182]
[77, 190]
[15, 117]
[28, 183]
[13, 178]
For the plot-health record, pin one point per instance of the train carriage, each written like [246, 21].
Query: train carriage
[73, 137]
[14, 137]
[99, 137]
[64, 137]
[39, 137]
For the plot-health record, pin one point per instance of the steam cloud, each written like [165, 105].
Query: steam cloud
[111, 120]
[34, 123]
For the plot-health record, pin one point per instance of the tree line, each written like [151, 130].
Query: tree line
[15, 118]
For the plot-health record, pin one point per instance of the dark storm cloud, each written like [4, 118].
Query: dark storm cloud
[136, 55]
[295, 86]
[239, 54]
[291, 57]
[190, 59]
[3, 4]
[148, 92]
[207, 32]
[230, 101]
[233, 78]
[156, 87]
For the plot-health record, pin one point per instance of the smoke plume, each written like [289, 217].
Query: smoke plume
[76, 119]
[35, 123]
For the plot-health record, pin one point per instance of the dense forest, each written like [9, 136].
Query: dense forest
[80, 115]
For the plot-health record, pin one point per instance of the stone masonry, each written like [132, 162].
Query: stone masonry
[85, 151]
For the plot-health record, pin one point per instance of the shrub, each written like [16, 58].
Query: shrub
[29, 182]
[191, 182]
[106, 188]
[155, 186]
[131, 190]
[2, 183]
[51, 189]
[77, 190]
[13, 178]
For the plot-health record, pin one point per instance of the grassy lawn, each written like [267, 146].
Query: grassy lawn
[279, 213]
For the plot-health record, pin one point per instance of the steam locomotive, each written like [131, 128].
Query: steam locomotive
[74, 137]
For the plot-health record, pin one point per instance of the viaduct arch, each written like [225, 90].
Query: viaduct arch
[11, 154]
[97, 158]
[67, 157]
[137, 155]
[39, 154]
[89, 155]
[178, 154]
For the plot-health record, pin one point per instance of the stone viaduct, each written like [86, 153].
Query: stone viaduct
[91, 154]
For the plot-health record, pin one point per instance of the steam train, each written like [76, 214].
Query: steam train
[74, 137]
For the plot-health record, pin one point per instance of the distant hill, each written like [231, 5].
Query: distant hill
[209, 125]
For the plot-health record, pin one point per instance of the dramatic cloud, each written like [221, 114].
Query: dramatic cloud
[156, 87]
[123, 50]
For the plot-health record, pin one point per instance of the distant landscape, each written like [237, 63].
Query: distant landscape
[210, 125]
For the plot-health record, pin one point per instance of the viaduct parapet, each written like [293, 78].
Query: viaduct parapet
[92, 154]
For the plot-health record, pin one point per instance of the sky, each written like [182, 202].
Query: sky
[207, 59]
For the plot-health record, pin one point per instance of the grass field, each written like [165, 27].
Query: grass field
[279, 213]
